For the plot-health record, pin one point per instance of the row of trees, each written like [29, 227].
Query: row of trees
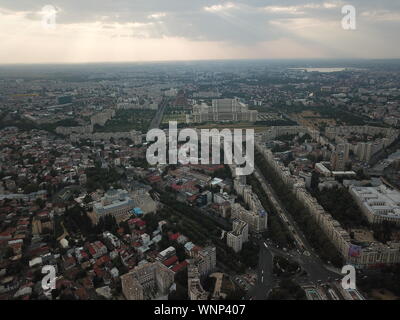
[340, 204]
[312, 231]
[276, 230]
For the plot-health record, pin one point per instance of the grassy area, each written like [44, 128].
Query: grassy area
[127, 120]
[178, 117]
[327, 114]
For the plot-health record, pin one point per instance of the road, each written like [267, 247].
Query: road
[155, 123]
[265, 279]
[304, 255]
[297, 234]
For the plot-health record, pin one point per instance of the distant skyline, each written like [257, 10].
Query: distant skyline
[159, 30]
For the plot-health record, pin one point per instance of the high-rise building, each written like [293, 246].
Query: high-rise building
[340, 157]
[146, 278]
[206, 260]
[195, 289]
[257, 220]
[238, 235]
[364, 151]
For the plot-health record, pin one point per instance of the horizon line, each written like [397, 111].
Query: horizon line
[194, 60]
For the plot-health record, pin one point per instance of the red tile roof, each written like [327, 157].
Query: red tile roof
[154, 179]
[170, 261]
[179, 266]
[174, 236]
[102, 260]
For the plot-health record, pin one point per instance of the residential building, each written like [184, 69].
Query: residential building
[195, 289]
[238, 235]
[144, 279]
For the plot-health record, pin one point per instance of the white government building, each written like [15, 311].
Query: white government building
[223, 110]
[378, 203]
[115, 202]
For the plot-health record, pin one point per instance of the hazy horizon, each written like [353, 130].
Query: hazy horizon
[312, 61]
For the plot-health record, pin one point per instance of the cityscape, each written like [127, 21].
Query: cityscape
[124, 180]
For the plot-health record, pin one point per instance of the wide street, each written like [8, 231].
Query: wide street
[155, 123]
[316, 271]
[265, 279]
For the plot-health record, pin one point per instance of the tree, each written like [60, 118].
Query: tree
[40, 202]
[180, 251]
[87, 199]
[314, 180]
[76, 219]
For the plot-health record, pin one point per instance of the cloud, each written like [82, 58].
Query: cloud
[381, 15]
[221, 7]
[289, 9]
[157, 15]
[237, 25]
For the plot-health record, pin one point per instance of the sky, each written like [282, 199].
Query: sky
[72, 31]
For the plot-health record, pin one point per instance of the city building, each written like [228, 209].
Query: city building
[195, 289]
[238, 235]
[145, 279]
[364, 141]
[256, 220]
[340, 157]
[223, 110]
[167, 253]
[116, 203]
[378, 203]
[134, 135]
[369, 255]
[206, 260]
